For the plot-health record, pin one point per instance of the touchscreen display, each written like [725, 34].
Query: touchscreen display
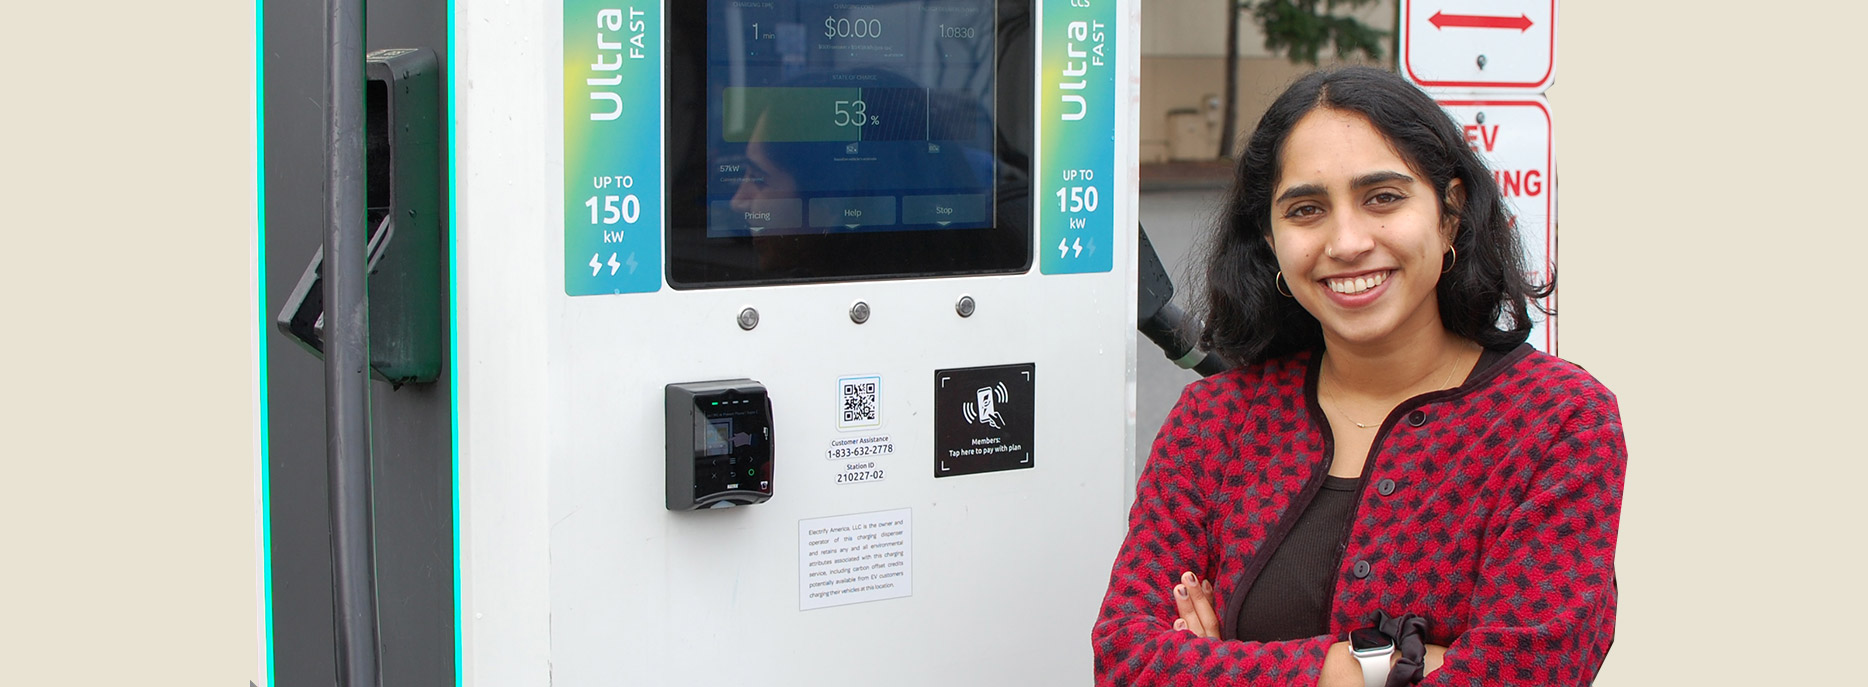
[837, 117]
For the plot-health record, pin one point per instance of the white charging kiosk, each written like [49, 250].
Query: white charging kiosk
[906, 228]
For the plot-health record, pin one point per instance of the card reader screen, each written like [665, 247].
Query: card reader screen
[719, 437]
[838, 117]
[733, 449]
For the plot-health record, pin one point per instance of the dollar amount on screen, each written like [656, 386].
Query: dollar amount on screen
[852, 28]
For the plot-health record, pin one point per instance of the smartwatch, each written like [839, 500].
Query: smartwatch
[1372, 649]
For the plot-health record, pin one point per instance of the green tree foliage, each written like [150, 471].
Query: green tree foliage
[1300, 29]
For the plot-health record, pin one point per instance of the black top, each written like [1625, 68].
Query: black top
[1290, 599]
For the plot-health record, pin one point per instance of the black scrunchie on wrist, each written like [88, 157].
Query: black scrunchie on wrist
[1409, 633]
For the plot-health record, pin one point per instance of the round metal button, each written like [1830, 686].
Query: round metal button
[1417, 418]
[1362, 569]
[1385, 487]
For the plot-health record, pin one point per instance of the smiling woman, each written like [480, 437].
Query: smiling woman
[1361, 237]
[1487, 298]
[1391, 487]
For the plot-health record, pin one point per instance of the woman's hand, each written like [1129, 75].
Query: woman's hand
[1194, 598]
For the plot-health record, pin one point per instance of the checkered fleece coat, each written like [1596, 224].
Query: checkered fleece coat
[1491, 509]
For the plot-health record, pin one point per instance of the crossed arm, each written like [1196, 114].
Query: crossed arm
[1193, 597]
[1542, 609]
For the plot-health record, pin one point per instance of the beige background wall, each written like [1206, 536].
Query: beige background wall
[127, 531]
[1710, 253]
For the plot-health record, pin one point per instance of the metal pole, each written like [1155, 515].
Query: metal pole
[346, 351]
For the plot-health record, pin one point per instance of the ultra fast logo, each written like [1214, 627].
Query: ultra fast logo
[612, 150]
[1077, 149]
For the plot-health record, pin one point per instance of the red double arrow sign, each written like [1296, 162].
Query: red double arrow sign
[1442, 20]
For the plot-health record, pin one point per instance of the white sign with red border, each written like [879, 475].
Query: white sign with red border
[1494, 45]
[1513, 134]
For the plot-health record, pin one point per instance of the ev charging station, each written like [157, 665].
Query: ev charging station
[794, 339]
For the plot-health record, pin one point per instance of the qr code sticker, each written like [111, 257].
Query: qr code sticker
[862, 402]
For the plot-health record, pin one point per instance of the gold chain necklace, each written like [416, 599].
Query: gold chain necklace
[1339, 409]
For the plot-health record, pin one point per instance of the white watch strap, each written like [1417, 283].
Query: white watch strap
[1374, 668]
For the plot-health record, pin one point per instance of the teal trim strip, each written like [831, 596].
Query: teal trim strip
[454, 341]
[265, 364]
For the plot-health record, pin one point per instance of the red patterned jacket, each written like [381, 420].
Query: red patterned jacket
[1491, 509]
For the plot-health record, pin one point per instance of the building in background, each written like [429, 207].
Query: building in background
[1183, 74]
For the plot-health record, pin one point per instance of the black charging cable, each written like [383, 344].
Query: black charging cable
[1163, 322]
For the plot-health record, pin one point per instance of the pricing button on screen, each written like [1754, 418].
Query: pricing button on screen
[758, 215]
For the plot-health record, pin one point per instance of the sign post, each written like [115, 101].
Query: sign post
[1488, 62]
[1513, 135]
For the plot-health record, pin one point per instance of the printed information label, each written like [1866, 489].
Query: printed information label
[1077, 147]
[984, 419]
[849, 448]
[860, 400]
[847, 559]
[612, 147]
[864, 471]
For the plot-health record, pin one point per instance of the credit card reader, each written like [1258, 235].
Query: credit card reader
[719, 444]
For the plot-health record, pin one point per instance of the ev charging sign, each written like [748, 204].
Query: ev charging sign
[1513, 135]
[1488, 63]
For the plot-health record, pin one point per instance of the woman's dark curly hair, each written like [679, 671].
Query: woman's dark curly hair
[1487, 295]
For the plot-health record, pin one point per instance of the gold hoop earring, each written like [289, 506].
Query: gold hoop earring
[1449, 266]
[1277, 282]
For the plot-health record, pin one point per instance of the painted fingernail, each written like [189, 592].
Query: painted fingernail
[1207, 585]
[1180, 591]
[1180, 624]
